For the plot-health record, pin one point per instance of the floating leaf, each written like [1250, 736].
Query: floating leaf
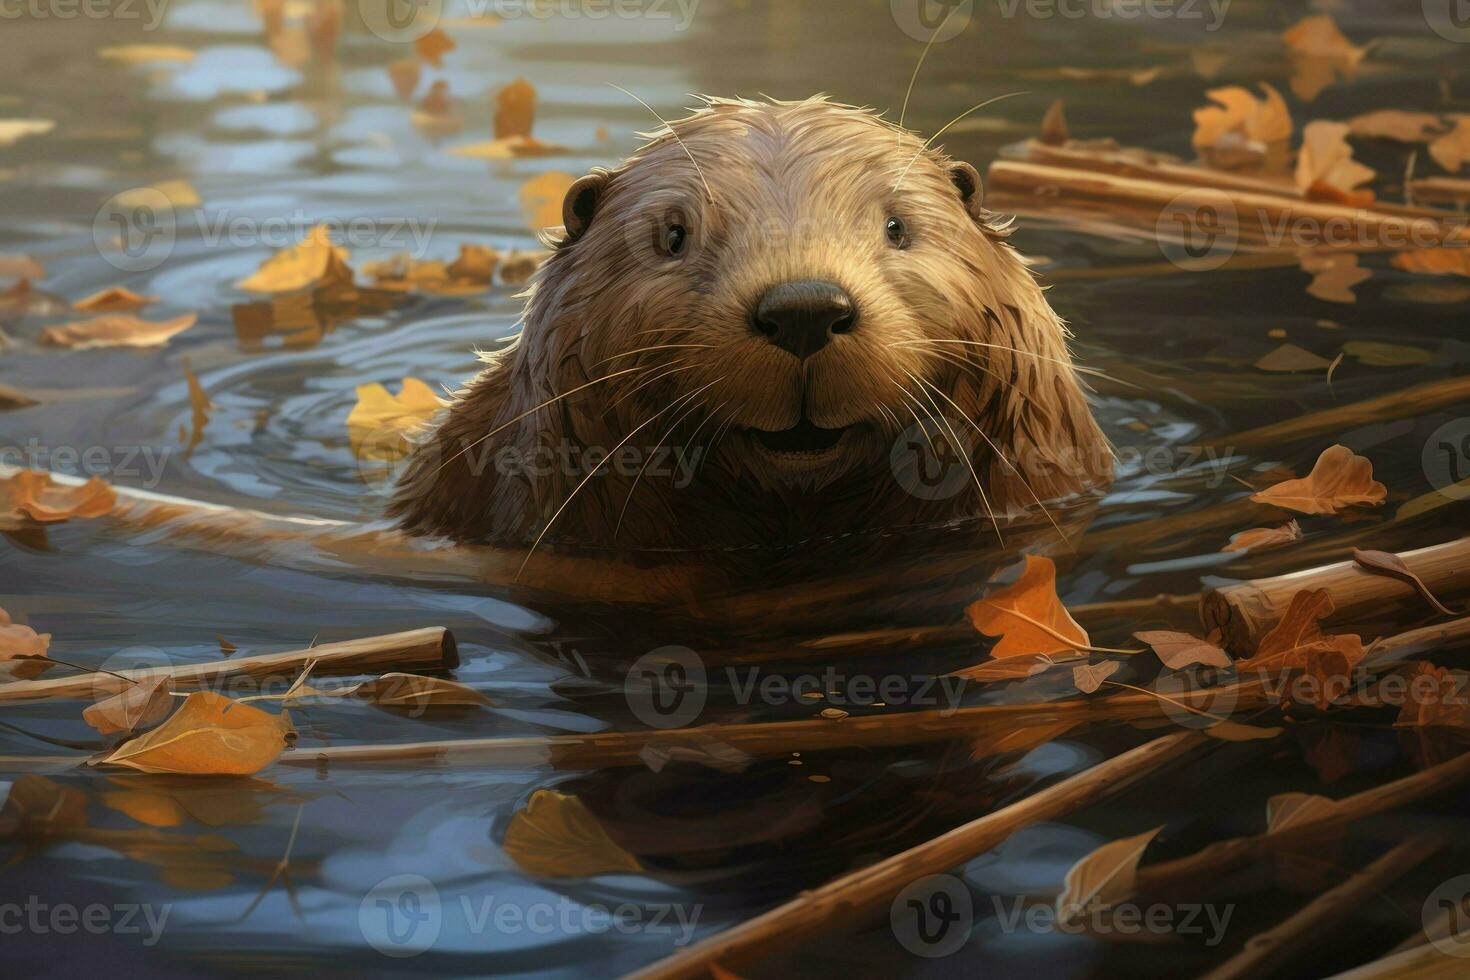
[1375, 354]
[415, 691]
[1334, 275]
[1297, 641]
[209, 735]
[142, 54]
[1089, 677]
[14, 130]
[379, 423]
[1054, 126]
[1320, 55]
[542, 196]
[1452, 150]
[1434, 700]
[1264, 538]
[1007, 669]
[1339, 479]
[556, 836]
[1326, 168]
[1103, 878]
[116, 330]
[1290, 357]
[433, 46]
[515, 109]
[21, 267]
[31, 496]
[1239, 119]
[114, 299]
[1180, 651]
[509, 148]
[437, 114]
[148, 701]
[1397, 125]
[13, 398]
[312, 263]
[22, 650]
[1027, 617]
[1391, 565]
[1435, 261]
[405, 75]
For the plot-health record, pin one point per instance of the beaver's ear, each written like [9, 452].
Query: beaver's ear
[967, 180]
[581, 202]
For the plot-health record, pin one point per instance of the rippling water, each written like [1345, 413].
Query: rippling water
[260, 140]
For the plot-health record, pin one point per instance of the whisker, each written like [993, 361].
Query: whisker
[969, 463]
[928, 142]
[676, 136]
[693, 405]
[644, 350]
[1092, 372]
[922, 55]
[672, 370]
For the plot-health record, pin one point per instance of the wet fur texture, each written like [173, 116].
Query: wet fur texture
[788, 191]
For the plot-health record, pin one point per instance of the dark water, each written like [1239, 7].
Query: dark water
[259, 140]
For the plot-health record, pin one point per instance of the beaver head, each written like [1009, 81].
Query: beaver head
[776, 321]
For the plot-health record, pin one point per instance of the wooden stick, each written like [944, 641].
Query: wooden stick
[856, 897]
[1267, 952]
[433, 648]
[1247, 611]
[1226, 855]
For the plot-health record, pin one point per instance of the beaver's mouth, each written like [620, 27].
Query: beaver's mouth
[803, 442]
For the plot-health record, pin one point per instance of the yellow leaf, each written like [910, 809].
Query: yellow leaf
[515, 109]
[508, 149]
[433, 46]
[556, 836]
[380, 421]
[1339, 479]
[210, 735]
[1326, 160]
[140, 54]
[114, 299]
[1239, 112]
[542, 197]
[116, 330]
[1027, 616]
[31, 496]
[315, 261]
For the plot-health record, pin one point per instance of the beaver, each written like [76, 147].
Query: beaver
[777, 322]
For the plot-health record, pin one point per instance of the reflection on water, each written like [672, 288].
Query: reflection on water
[273, 144]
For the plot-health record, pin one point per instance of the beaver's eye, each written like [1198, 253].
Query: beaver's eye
[898, 233]
[674, 238]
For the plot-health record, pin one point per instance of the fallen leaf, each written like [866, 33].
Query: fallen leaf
[1329, 666]
[832, 714]
[1298, 638]
[14, 130]
[1339, 479]
[312, 263]
[1291, 358]
[225, 646]
[1394, 124]
[1102, 878]
[1334, 275]
[508, 149]
[380, 422]
[1434, 700]
[114, 299]
[33, 497]
[116, 330]
[1391, 565]
[1007, 669]
[13, 398]
[1234, 731]
[1320, 55]
[1452, 150]
[1027, 617]
[151, 809]
[405, 75]
[476, 264]
[142, 704]
[1435, 261]
[517, 267]
[210, 734]
[542, 197]
[22, 650]
[1375, 354]
[415, 691]
[515, 109]
[1262, 538]
[1325, 163]
[1180, 651]
[556, 836]
[199, 408]
[1089, 677]
[21, 267]
[1239, 120]
[437, 114]
[142, 54]
[433, 46]
[1054, 126]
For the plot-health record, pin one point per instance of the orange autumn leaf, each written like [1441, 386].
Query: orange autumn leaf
[1262, 538]
[40, 806]
[437, 114]
[210, 735]
[433, 46]
[1239, 113]
[148, 701]
[1326, 168]
[1027, 617]
[116, 330]
[1297, 641]
[1320, 55]
[515, 110]
[1435, 261]
[1339, 479]
[542, 197]
[21, 650]
[33, 497]
[405, 75]
[313, 262]
[1181, 651]
[380, 423]
[114, 299]
[1329, 666]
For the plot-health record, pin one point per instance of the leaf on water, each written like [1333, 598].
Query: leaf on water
[21, 267]
[415, 691]
[150, 809]
[1452, 150]
[14, 130]
[1208, 61]
[1054, 126]
[1329, 666]
[517, 267]
[468, 275]
[1263, 538]
[405, 75]
[1089, 677]
[1334, 275]
[1320, 55]
[515, 109]
[142, 704]
[1340, 479]
[380, 422]
[1435, 261]
[1297, 642]
[199, 408]
[1287, 809]
[1375, 354]
[13, 398]
[437, 114]
[832, 714]
[1291, 358]
[225, 646]
[1434, 700]
[1027, 617]
[116, 330]
[142, 54]
[114, 299]
[313, 263]
[1180, 651]
[556, 836]
[209, 735]
[41, 807]
[433, 46]
[542, 197]
[1234, 731]
[475, 264]
[1326, 169]
[1391, 565]
[22, 650]
[1007, 669]
[1103, 878]
[1397, 125]
[1240, 122]
[508, 149]
[33, 497]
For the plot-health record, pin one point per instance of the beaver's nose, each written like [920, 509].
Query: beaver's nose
[801, 317]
